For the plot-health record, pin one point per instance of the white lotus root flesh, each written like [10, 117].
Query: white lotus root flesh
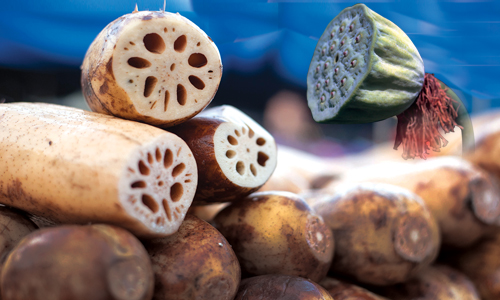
[244, 150]
[165, 69]
[159, 186]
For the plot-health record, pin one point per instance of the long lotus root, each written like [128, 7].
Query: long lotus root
[73, 166]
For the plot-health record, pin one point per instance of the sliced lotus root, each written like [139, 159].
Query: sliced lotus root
[234, 154]
[364, 69]
[154, 67]
[73, 166]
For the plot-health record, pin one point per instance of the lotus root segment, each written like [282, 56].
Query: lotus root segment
[341, 290]
[196, 262]
[154, 67]
[277, 233]
[234, 154]
[281, 287]
[364, 69]
[383, 234]
[74, 166]
[79, 263]
[14, 225]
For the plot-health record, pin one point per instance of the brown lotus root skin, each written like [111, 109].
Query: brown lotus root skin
[481, 263]
[383, 234]
[280, 287]
[341, 290]
[277, 233]
[196, 262]
[154, 67]
[14, 225]
[464, 199]
[435, 282]
[74, 166]
[234, 154]
[78, 262]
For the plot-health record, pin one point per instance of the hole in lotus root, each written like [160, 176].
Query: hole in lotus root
[230, 153]
[237, 132]
[261, 141]
[180, 43]
[197, 60]
[243, 130]
[181, 94]
[232, 140]
[176, 192]
[196, 82]
[250, 132]
[158, 220]
[138, 185]
[178, 169]
[166, 208]
[165, 101]
[139, 63]
[149, 85]
[253, 170]
[172, 67]
[240, 167]
[150, 202]
[143, 168]
[168, 159]
[262, 158]
[158, 155]
[154, 43]
[150, 158]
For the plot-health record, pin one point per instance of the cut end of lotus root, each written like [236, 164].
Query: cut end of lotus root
[159, 186]
[167, 67]
[413, 238]
[244, 150]
[364, 69]
[485, 199]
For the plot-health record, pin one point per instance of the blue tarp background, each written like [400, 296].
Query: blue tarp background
[459, 40]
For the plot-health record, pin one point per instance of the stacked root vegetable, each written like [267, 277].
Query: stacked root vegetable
[152, 196]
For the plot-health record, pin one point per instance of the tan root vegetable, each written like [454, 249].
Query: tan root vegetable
[99, 262]
[481, 264]
[383, 234]
[234, 154]
[74, 166]
[277, 233]
[14, 225]
[155, 67]
[487, 148]
[340, 290]
[196, 262]
[435, 282]
[464, 199]
[206, 212]
[280, 287]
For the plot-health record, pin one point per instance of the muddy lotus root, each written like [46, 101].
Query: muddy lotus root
[364, 69]
[234, 154]
[383, 234]
[155, 67]
[98, 262]
[74, 166]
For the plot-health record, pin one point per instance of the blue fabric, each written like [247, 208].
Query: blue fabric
[458, 40]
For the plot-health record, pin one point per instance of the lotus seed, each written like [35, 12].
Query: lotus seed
[346, 52]
[332, 34]
[353, 63]
[322, 98]
[342, 81]
[351, 27]
[323, 51]
[336, 70]
[357, 39]
[342, 43]
[318, 86]
[317, 69]
[326, 65]
[341, 28]
[332, 94]
[327, 81]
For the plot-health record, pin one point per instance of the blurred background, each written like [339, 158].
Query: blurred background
[266, 48]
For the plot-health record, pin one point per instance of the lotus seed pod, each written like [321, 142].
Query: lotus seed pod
[154, 67]
[373, 68]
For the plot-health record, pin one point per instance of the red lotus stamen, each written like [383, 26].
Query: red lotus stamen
[418, 126]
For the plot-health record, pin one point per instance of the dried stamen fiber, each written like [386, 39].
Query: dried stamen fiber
[418, 126]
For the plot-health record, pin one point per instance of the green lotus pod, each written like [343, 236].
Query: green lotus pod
[364, 69]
